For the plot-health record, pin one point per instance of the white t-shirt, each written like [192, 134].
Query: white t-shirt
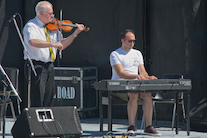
[129, 61]
[34, 30]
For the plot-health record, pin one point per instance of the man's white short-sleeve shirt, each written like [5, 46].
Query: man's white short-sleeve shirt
[34, 30]
[129, 61]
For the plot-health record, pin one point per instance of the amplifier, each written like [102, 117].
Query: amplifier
[47, 122]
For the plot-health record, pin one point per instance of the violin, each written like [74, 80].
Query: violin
[65, 25]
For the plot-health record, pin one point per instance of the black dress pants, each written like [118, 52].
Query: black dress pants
[42, 85]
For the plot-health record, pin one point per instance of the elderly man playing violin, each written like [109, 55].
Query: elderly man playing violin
[41, 46]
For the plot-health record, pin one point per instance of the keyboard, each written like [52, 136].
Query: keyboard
[143, 85]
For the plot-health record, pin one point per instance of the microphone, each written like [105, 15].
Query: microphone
[10, 20]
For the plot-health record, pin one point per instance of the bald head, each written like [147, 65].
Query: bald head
[42, 6]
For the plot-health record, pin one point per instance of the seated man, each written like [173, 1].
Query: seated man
[127, 63]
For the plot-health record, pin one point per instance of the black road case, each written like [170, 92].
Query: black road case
[75, 87]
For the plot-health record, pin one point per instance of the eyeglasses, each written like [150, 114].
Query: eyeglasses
[51, 13]
[130, 41]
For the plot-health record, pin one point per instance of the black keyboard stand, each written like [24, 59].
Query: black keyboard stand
[187, 119]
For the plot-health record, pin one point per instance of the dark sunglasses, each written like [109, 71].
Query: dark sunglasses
[130, 41]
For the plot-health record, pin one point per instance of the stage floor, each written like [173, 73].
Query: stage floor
[90, 128]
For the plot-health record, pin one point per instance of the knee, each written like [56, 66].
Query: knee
[133, 96]
[146, 96]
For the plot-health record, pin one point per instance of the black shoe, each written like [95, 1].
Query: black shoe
[150, 130]
[131, 129]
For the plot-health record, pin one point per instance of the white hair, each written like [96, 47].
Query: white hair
[41, 6]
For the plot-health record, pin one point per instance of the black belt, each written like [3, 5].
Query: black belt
[40, 62]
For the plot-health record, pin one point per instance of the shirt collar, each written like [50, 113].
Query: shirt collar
[40, 23]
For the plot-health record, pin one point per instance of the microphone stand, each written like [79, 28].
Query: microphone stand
[31, 63]
[4, 96]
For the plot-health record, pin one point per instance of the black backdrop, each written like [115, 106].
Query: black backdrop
[170, 34]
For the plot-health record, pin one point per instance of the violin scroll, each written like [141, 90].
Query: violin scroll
[86, 29]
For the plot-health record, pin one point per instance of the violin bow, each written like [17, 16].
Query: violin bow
[60, 51]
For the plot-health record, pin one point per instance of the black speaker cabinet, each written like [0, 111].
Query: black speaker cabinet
[47, 122]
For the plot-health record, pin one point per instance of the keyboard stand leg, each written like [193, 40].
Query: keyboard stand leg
[100, 113]
[109, 112]
[188, 117]
[176, 114]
